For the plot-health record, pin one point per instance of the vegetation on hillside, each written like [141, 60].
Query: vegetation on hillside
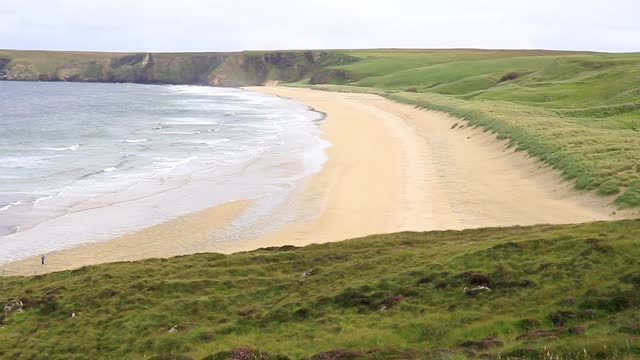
[522, 292]
[579, 112]
[218, 69]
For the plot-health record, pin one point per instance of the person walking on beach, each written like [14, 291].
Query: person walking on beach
[42, 259]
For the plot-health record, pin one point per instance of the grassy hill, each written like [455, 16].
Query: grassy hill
[522, 292]
[579, 112]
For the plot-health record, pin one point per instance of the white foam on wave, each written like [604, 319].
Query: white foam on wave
[170, 164]
[189, 121]
[201, 90]
[176, 160]
[180, 132]
[109, 169]
[131, 141]
[9, 206]
[25, 161]
[39, 200]
[72, 148]
[205, 141]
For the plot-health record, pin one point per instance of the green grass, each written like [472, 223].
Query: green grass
[397, 295]
[49, 61]
[578, 112]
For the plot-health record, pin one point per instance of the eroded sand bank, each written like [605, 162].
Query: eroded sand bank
[391, 168]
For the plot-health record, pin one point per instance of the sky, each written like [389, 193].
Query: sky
[216, 25]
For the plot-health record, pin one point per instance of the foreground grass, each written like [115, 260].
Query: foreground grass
[572, 290]
[579, 112]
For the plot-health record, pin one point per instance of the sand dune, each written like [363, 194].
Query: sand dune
[391, 168]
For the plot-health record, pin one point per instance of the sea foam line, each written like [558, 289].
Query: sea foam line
[9, 206]
[131, 141]
[72, 148]
[180, 132]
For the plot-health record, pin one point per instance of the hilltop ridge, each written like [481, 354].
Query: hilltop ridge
[216, 69]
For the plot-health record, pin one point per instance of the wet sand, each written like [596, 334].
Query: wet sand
[185, 235]
[391, 168]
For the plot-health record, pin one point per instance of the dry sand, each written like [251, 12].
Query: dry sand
[394, 168]
[391, 168]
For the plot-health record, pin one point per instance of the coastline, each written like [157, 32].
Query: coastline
[185, 235]
[390, 168]
[397, 168]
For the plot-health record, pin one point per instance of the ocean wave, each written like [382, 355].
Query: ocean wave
[72, 148]
[39, 200]
[171, 164]
[176, 160]
[9, 206]
[204, 141]
[180, 132]
[131, 141]
[94, 173]
[189, 121]
[25, 161]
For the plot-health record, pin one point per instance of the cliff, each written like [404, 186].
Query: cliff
[218, 69]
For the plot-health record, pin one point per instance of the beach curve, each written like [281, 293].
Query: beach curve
[391, 167]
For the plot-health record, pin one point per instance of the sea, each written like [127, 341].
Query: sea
[87, 162]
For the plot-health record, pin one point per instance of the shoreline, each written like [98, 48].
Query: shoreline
[438, 177]
[187, 234]
[390, 168]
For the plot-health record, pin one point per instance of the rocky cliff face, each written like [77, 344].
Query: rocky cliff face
[217, 69]
[3, 68]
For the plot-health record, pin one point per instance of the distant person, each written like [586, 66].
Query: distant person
[42, 260]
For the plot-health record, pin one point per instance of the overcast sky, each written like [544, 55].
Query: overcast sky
[216, 25]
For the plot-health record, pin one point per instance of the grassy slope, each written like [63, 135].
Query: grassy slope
[579, 112]
[46, 61]
[563, 279]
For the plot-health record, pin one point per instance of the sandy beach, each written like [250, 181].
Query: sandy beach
[390, 168]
